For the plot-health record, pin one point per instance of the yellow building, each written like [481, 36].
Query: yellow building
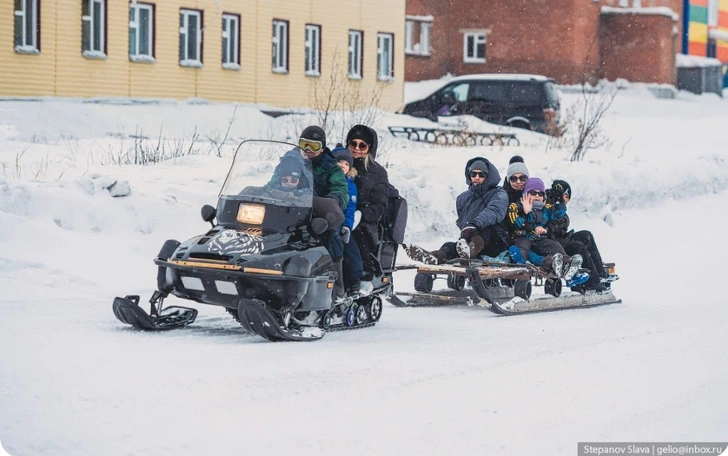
[277, 52]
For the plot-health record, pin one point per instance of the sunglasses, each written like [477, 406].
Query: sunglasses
[313, 146]
[536, 193]
[521, 178]
[360, 145]
[289, 180]
[477, 174]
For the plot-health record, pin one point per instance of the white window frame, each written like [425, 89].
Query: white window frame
[423, 24]
[280, 46]
[136, 28]
[312, 50]
[184, 38]
[713, 13]
[95, 49]
[356, 41]
[231, 41]
[385, 66]
[409, 31]
[478, 38]
[28, 12]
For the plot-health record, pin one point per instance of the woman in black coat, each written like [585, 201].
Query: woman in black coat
[372, 184]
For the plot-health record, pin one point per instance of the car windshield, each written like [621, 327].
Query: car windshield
[289, 184]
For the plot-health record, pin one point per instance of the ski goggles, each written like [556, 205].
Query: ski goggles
[289, 180]
[521, 178]
[313, 146]
[358, 145]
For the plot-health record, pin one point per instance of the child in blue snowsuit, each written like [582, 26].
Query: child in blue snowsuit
[353, 266]
[528, 222]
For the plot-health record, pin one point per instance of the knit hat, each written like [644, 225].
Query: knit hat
[534, 183]
[290, 166]
[516, 167]
[360, 132]
[314, 133]
[342, 153]
[479, 165]
[561, 186]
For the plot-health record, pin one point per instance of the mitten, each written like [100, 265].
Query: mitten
[468, 232]
[345, 234]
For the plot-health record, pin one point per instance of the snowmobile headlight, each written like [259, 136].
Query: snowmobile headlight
[251, 213]
[192, 283]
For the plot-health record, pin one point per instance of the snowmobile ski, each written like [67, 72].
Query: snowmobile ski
[127, 311]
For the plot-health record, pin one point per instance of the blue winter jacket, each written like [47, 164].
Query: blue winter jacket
[351, 206]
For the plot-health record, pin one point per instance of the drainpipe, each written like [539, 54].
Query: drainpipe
[685, 25]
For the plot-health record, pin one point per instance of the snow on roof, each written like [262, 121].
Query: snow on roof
[688, 61]
[657, 10]
[717, 34]
[504, 76]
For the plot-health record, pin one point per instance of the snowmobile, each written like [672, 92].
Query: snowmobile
[502, 287]
[264, 260]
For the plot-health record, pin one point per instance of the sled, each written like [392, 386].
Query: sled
[502, 288]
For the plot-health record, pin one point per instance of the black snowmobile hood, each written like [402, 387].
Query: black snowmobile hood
[493, 178]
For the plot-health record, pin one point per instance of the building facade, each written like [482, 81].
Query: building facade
[572, 41]
[275, 52]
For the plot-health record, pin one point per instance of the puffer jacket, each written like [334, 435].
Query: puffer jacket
[483, 205]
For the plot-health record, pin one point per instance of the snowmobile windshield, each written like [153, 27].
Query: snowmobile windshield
[272, 200]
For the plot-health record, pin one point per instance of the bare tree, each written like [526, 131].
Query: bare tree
[589, 134]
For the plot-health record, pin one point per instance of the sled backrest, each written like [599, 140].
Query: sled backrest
[395, 217]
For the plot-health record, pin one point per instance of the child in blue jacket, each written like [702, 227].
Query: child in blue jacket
[353, 266]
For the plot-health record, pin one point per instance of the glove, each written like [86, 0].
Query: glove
[345, 234]
[468, 232]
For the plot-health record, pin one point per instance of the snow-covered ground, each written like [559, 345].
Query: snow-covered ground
[75, 381]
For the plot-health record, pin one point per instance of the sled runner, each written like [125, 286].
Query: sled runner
[503, 288]
[264, 260]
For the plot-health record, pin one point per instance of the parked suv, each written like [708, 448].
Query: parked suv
[516, 100]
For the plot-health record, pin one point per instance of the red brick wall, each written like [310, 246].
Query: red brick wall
[556, 38]
[638, 47]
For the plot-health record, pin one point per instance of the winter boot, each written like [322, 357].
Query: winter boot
[572, 266]
[463, 249]
[596, 285]
[417, 253]
[555, 263]
[365, 288]
[515, 254]
[578, 279]
[339, 293]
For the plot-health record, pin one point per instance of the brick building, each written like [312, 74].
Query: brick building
[572, 41]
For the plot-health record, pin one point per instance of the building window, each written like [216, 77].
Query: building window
[712, 50]
[141, 32]
[93, 28]
[355, 54]
[313, 50]
[231, 41]
[280, 46]
[417, 35]
[190, 38]
[474, 47]
[27, 26]
[385, 62]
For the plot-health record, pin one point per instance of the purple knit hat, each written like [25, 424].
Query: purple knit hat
[534, 183]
